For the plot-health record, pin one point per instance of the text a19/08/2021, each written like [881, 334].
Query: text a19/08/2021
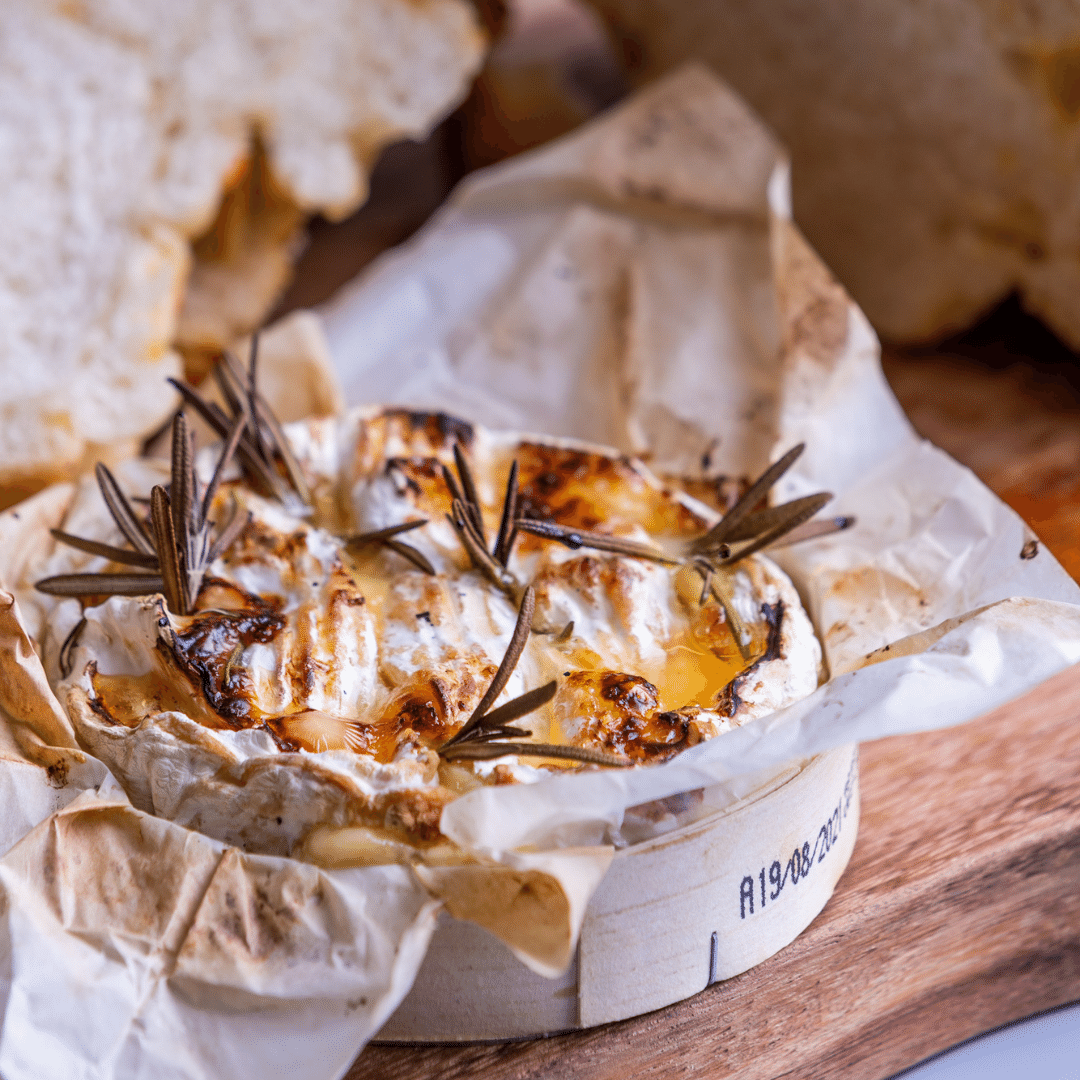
[755, 891]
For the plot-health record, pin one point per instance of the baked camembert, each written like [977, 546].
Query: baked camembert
[336, 673]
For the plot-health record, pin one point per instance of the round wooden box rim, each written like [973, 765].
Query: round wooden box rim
[674, 913]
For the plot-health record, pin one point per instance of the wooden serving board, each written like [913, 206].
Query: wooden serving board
[959, 911]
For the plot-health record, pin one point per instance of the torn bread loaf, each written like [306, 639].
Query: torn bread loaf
[241, 264]
[120, 126]
[934, 145]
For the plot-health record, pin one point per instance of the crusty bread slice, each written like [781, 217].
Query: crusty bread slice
[121, 123]
[89, 281]
[934, 145]
[241, 264]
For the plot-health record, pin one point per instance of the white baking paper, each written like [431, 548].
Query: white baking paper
[640, 284]
[236, 966]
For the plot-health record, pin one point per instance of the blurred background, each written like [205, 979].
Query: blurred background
[934, 146]
[934, 152]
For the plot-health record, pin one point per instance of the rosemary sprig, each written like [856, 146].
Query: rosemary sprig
[108, 551]
[413, 555]
[101, 585]
[504, 542]
[126, 518]
[741, 532]
[485, 751]
[720, 586]
[467, 519]
[486, 733]
[486, 563]
[386, 537]
[261, 442]
[579, 538]
[812, 530]
[742, 509]
[470, 500]
[179, 547]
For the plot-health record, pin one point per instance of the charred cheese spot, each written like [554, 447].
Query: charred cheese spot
[420, 482]
[399, 433]
[585, 490]
[719, 492]
[729, 700]
[207, 651]
[590, 575]
[424, 714]
[432, 710]
[259, 541]
[628, 693]
[439, 431]
[619, 713]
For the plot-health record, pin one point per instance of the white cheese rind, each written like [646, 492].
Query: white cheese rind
[349, 639]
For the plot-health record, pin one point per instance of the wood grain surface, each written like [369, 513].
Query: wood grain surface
[1010, 411]
[960, 911]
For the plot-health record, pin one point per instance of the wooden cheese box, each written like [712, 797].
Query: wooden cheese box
[672, 915]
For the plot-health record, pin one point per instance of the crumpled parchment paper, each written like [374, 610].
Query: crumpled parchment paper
[639, 283]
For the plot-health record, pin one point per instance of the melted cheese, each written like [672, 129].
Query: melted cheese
[315, 680]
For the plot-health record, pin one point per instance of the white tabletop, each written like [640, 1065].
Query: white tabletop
[1045, 1047]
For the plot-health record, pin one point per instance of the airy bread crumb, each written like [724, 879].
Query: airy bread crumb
[120, 124]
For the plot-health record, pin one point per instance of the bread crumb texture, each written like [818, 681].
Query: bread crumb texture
[934, 146]
[120, 126]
